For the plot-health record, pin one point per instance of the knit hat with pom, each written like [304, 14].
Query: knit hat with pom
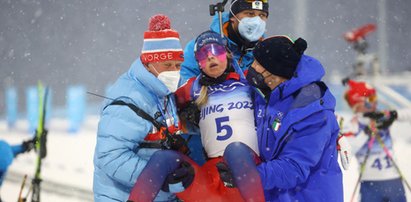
[280, 55]
[161, 43]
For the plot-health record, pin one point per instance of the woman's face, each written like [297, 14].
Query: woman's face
[214, 67]
[212, 59]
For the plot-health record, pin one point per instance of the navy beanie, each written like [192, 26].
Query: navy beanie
[279, 55]
[208, 37]
[240, 5]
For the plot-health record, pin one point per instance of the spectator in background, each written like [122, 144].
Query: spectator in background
[126, 139]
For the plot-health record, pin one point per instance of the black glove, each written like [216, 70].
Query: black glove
[225, 175]
[28, 145]
[383, 119]
[184, 175]
[190, 113]
[177, 143]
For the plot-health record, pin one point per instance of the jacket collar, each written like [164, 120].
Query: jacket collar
[139, 73]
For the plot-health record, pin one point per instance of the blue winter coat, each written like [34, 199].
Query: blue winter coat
[117, 160]
[297, 133]
[190, 67]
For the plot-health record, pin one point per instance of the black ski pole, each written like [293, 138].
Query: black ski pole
[219, 7]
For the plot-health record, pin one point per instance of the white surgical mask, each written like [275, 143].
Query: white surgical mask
[251, 29]
[170, 79]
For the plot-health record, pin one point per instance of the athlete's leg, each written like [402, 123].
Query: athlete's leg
[241, 160]
[394, 190]
[371, 191]
[152, 177]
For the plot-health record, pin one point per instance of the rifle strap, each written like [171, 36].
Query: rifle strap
[139, 112]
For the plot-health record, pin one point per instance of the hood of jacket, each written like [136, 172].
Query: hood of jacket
[309, 70]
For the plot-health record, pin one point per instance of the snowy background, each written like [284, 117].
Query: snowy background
[91, 42]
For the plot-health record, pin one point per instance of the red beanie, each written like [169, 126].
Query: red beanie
[161, 43]
[357, 91]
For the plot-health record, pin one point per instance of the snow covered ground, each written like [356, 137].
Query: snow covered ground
[68, 168]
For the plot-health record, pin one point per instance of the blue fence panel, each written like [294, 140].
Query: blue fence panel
[76, 107]
[32, 103]
[11, 106]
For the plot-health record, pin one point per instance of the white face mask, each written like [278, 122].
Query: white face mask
[251, 29]
[170, 79]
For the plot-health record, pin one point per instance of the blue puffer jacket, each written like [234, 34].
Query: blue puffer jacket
[117, 160]
[190, 67]
[7, 154]
[297, 133]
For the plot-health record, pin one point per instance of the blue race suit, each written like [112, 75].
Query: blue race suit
[297, 133]
[118, 160]
[190, 68]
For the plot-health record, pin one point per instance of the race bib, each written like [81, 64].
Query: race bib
[379, 167]
[225, 119]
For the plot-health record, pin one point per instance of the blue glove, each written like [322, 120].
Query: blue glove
[180, 179]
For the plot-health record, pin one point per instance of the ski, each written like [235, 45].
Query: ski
[20, 198]
[41, 140]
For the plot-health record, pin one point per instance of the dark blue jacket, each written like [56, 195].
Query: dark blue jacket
[297, 133]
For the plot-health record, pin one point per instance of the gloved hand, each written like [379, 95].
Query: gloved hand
[383, 119]
[225, 175]
[28, 145]
[180, 179]
[177, 143]
[344, 151]
[190, 113]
